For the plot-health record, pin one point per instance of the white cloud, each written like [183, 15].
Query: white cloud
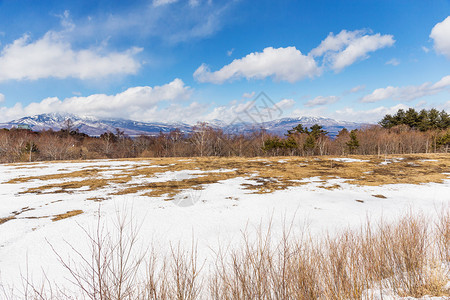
[230, 52]
[366, 116]
[446, 106]
[2, 97]
[336, 43]
[319, 111]
[249, 111]
[442, 83]
[282, 64]
[355, 89]
[285, 104]
[248, 95]
[393, 61]
[138, 103]
[51, 56]
[345, 48]
[194, 3]
[425, 49]
[289, 64]
[380, 94]
[321, 100]
[373, 115]
[163, 2]
[440, 35]
[173, 21]
[408, 93]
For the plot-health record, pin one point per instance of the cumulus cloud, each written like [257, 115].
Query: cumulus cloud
[282, 64]
[440, 35]
[321, 100]
[139, 103]
[341, 50]
[52, 56]
[408, 93]
[285, 104]
[380, 94]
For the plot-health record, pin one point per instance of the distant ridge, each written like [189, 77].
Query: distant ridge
[94, 126]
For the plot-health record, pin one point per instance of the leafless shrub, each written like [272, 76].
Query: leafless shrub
[402, 258]
[443, 234]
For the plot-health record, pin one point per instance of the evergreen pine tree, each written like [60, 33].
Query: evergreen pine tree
[353, 143]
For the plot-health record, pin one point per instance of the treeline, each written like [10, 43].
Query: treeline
[423, 120]
[18, 145]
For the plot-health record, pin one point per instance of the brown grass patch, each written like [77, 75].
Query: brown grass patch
[66, 187]
[66, 215]
[15, 214]
[330, 187]
[4, 220]
[271, 175]
[173, 187]
[379, 196]
[97, 199]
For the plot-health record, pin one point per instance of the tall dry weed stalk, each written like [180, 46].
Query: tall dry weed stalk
[409, 257]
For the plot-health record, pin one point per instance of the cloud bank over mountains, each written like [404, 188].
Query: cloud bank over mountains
[138, 103]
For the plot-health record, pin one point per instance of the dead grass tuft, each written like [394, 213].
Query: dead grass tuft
[15, 214]
[97, 199]
[379, 196]
[4, 220]
[66, 215]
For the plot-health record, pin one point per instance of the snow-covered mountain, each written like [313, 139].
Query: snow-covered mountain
[95, 126]
[281, 126]
[92, 125]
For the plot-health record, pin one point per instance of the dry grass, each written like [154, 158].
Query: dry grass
[97, 199]
[15, 214]
[400, 259]
[443, 235]
[66, 215]
[75, 174]
[269, 174]
[6, 219]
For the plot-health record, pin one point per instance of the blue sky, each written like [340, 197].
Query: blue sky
[198, 60]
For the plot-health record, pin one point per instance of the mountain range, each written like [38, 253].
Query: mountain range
[94, 126]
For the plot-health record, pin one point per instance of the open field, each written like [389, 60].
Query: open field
[208, 200]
